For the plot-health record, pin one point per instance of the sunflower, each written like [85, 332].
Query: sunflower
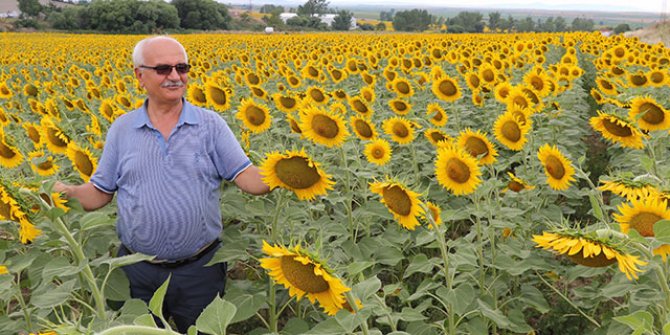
[477, 145]
[108, 110]
[617, 130]
[557, 168]
[628, 188]
[502, 90]
[59, 202]
[642, 215]
[9, 207]
[538, 81]
[285, 102]
[435, 214]
[303, 275]
[439, 117]
[511, 131]
[293, 124]
[400, 106]
[10, 156]
[446, 89]
[337, 75]
[402, 202]
[402, 87]
[650, 115]
[41, 164]
[295, 171]
[317, 95]
[378, 152]
[517, 184]
[400, 129]
[363, 128]
[338, 108]
[82, 160]
[518, 97]
[360, 106]
[590, 251]
[340, 94]
[323, 127]
[436, 137]
[218, 97]
[457, 170]
[255, 117]
[27, 231]
[657, 78]
[3, 270]
[606, 86]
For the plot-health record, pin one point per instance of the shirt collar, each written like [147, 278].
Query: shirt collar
[188, 115]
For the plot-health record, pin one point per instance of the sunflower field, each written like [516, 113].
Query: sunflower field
[423, 184]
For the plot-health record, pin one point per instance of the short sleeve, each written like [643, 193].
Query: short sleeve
[107, 174]
[228, 156]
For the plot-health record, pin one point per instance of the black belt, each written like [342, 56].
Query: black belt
[173, 264]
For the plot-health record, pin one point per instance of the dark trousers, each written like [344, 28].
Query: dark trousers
[192, 287]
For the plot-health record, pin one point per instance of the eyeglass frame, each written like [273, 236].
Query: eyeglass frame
[164, 69]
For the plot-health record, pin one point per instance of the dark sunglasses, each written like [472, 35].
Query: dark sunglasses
[164, 70]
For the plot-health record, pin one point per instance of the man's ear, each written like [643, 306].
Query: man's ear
[138, 75]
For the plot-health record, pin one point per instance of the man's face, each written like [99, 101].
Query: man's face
[163, 88]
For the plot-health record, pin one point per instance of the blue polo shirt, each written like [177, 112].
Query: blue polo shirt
[168, 192]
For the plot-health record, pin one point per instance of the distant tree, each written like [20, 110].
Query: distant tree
[343, 20]
[269, 9]
[30, 8]
[560, 24]
[312, 7]
[621, 28]
[366, 27]
[273, 20]
[67, 19]
[507, 24]
[582, 24]
[381, 26]
[202, 14]
[525, 25]
[494, 20]
[546, 26]
[387, 16]
[470, 21]
[122, 16]
[412, 20]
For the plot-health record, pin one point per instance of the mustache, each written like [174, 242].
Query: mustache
[171, 83]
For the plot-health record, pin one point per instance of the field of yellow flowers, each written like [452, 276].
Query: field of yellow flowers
[427, 184]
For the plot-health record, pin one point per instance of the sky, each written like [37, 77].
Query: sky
[652, 6]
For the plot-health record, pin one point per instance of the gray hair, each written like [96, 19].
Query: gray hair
[138, 52]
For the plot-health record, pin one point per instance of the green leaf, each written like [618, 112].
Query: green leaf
[58, 267]
[328, 327]
[156, 302]
[145, 320]
[216, 317]
[192, 330]
[534, 298]
[666, 329]
[367, 287]
[295, 326]
[389, 256]
[494, 315]
[131, 309]
[460, 297]
[53, 295]
[247, 304]
[117, 262]
[22, 261]
[94, 220]
[118, 287]
[358, 267]
[230, 251]
[418, 263]
[597, 211]
[662, 230]
[639, 321]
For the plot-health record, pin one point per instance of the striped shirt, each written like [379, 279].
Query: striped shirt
[168, 192]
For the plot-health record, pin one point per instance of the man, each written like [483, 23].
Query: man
[166, 161]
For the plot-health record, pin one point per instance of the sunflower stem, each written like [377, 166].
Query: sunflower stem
[275, 219]
[273, 307]
[480, 245]
[567, 300]
[349, 198]
[415, 163]
[22, 302]
[352, 303]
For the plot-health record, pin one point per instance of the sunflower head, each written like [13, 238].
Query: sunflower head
[511, 131]
[295, 171]
[378, 152]
[254, 116]
[400, 129]
[477, 145]
[516, 184]
[557, 167]
[323, 127]
[446, 89]
[363, 128]
[642, 214]
[617, 130]
[456, 170]
[402, 202]
[438, 117]
[650, 114]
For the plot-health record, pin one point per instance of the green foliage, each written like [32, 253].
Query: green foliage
[343, 20]
[412, 20]
[621, 28]
[271, 9]
[380, 26]
[30, 8]
[312, 7]
[202, 14]
[67, 19]
[125, 16]
[471, 22]
[582, 24]
[387, 16]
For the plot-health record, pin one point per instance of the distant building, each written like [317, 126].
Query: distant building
[328, 19]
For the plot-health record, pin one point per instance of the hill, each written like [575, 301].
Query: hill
[655, 33]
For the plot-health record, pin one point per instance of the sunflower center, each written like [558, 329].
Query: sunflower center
[317, 95]
[378, 153]
[253, 79]
[400, 130]
[302, 275]
[295, 127]
[255, 115]
[652, 113]
[606, 85]
[218, 95]
[511, 131]
[515, 186]
[399, 106]
[402, 87]
[537, 83]
[287, 102]
[199, 96]
[616, 129]
[5, 210]
[437, 136]
[447, 88]
[438, 116]
[656, 77]
[363, 129]
[521, 101]
[488, 76]
[458, 171]
[6, 151]
[644, 223]
[297, 172]
[555, 167]
[83, 163]
[397, 200]
[360, 107]
[592, 262]
[638, 80]
[325, 126]
[46, 165]
[476, 147]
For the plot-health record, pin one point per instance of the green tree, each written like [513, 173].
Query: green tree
[525, 25]
[621, 28]
[30, 8]
[470, 21]
[312, 7]
[202, 14]
[67, 19]
[121, 16]
[380, 26]
[274, 20]
[582, 24]
[560, 24]
[269, 9]
[386, 16]
[343, 20]
[412, 20]
[494, 20]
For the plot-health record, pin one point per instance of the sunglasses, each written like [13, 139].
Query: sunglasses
[164, 70]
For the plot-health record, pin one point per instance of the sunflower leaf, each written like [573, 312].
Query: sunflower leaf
[216, 317]
[156, 302]
[662, 230]
[597, 211]
[640, 321]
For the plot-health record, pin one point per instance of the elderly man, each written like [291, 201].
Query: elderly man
[166, 161]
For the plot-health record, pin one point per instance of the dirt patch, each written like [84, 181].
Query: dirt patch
[656, 33]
